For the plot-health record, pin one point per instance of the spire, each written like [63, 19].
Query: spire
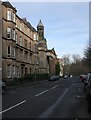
[40, 24]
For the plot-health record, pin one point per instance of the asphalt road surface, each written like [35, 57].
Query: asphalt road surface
[64, 98]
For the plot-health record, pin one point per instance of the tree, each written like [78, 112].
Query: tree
[76, 58]
[57, 68]
[67, 62]
[87, 54]
[66, 59]
[76, 66]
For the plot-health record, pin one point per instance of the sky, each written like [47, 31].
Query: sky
[66, 24]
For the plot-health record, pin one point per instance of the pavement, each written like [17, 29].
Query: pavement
[24, 84]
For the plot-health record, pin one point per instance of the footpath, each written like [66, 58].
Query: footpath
[24, 84]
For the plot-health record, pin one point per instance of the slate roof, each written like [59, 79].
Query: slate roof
[8, 5]
[40, 24]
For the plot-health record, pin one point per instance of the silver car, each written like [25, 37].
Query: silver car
[2, 87]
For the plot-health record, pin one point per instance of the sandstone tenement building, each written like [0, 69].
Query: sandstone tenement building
[24, 49]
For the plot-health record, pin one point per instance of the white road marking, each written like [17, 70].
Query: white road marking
[41, 93]
[81, 96]
[54, 87]
[13, 92]
[47, 113]
[12, 107]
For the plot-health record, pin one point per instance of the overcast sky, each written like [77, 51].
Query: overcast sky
[66, 23]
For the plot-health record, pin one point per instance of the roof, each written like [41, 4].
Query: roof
[51, 50]
[40, 24]
[24, 20]
[8, 5]
[29, 25]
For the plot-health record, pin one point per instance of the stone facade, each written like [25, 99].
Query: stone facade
[24, 49]
[42, 48]
[19, 44]
[52, 60]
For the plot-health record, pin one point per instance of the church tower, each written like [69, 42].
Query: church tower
[42, 40]
[42, 47]
[40, 29]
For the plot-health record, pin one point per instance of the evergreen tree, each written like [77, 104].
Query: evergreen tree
[87, 54]
[57, 68]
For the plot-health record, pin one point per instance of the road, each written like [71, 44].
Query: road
[64, 98]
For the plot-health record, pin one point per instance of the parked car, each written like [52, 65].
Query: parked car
[83, 78]
[53, 78]
[2, 87]
[88, 85]
[65, 76]
[88, 91]
[71, 76]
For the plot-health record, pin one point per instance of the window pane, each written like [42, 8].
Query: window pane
[9, 33]
[13, 71]
[13, 34]
[8, 71]
[16, 38]
[25, 43]
[34, 36]
[13, 52]
[13, 17]
[21, 55]
[8, 15]
[35, 48]
[9, 51]
[20, 41]
[17, 71]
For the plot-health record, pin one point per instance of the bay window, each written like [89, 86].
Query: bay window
[9, 15]
[20, 41]
[13, 17]
[13, 34]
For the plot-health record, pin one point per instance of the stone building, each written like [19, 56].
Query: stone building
[48, 58]
[19, 44]
[52, 60]
[42, 48]
[24, 49]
